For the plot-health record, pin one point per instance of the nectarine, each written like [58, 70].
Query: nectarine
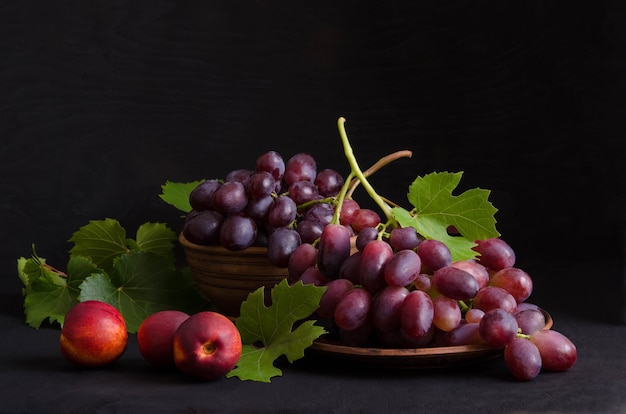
[155, 337]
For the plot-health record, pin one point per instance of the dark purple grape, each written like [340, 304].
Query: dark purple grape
[417, 314]
[300, 167]
[282, 212]
[240, 175]
[261, 185]
[463, 334]
[259, 209]
[350, 268]
[402, 268]
[303, 257]
[200, 197]
[387, 308]
[365, 236]
[530, 320]
[404, 238]
[281, 244]
[309, 230]
[328, 182]
[498, 328]
[313, 276]
[335, 291]
[303, 191]
[321, 212]
[237, 232]
[353, 309]
[333, 249]
[374, 257]
[523, 359]
[273, 163]
[494, 253]
[434, 255]
[230, 198]
[203, 227]
[455, 283]
[349, 210]
[558, 352]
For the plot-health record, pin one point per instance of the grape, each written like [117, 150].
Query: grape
[365, 236]
[492, 297]
[447, 314]
[309, 230]
[328, 182]
[281, 244]
[261, 184]
[321, 212]
[365, 218]
[374, 257]
[300, 167]
[240, 175]
[434, 255]
[349, 211]
[237, 232]
[273, 163]
[303, 191]
[515, 281]
[455, 283]
[558, 353]
[402, 238]
[349, 269]
[387, 308]
[402, 268]
[495, 253]
[335, 290]
[480, 272]
[353, 309]
[523, 359]
[423, 282]
[302, 257]
[333, 249]
[313, 276]
[530, 320]
[417, 314]
[282, 212]
[230, 198]
[474, 315]
[407, 341]
[258, 209]
[200, 196]
[498, 328]
[463, 334]
[203, 227]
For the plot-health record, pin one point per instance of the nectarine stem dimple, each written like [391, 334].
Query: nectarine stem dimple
[208, 348]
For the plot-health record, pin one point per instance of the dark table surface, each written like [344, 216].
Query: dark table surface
[35, 378]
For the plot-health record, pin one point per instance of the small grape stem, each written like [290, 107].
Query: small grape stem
[356, 171]
[340, 197]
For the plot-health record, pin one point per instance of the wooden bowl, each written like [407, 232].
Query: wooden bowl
[227, 277]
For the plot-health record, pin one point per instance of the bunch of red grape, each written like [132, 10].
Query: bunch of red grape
[386, 286]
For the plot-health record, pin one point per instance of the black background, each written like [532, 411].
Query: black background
[102, 102]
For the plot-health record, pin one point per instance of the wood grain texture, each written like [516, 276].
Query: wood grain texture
[102, 102]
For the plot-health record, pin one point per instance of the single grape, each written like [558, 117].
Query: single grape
[365, 236]
[523, 359]
[303, 191]
[480, 272]
[282, 212]
[281, 244]
[417, 314]
[321, 212]
[333, 249]
[492, 297]
[273, 163]
[495, 253]
[498, 328]
[313, 276]
[463, 334]
[335, 290]
[530, 320]
[230, 198]
[328, 182]
[261, 184]
[309, 230]
[455, 283]
[374, 257]
[240, 175]
[300, 167]
[434, 255]
[350, 268]
[423, 282]
[515, 281]
[200, 197]
[407, 341]
[237, 232]
[474, 315]
[302, 257]
[203, 227]
[402, 268]
[365, 218]
[353, 309]
[349, 210]
[387, 308]
[558, 352]
[258, 209]
[404, 238]
[447, 313]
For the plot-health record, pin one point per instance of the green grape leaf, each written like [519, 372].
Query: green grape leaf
[50, 293]
[177, 194]
[435, 209]
[101, 240]
[156, 238]
[140, 284]
[273, 328]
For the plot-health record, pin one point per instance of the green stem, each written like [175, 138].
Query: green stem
[356, 171]
[340, 197]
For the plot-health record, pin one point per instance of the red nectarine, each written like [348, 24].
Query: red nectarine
[155, 337]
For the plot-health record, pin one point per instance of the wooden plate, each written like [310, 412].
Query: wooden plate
[411, 358]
